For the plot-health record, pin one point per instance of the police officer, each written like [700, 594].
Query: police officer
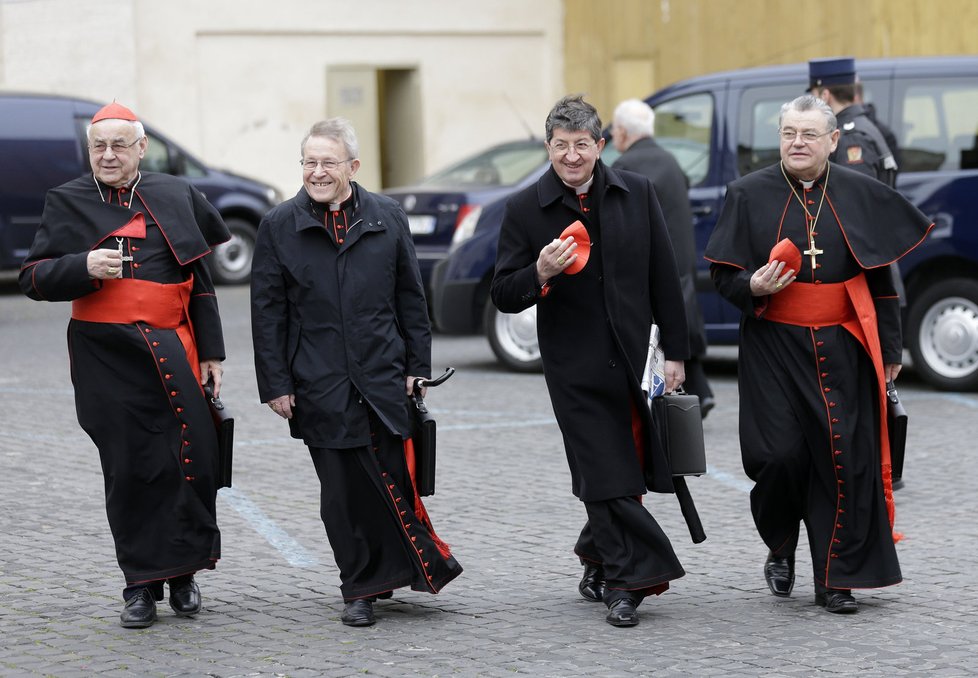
[861, 145]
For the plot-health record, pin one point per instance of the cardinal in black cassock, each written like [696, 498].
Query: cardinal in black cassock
[127, 248]
[820, 336]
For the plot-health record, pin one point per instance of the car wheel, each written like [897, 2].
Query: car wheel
[231, 261]
[943, 334]
[513, 338]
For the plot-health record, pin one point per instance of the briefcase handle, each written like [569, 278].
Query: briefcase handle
[420, 383]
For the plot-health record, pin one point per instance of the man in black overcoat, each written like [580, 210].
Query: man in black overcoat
[593, 325]
[341, 331]
[631, 133]
[127, 249]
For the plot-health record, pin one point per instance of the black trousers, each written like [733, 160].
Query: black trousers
[368, 507]
[624, 538]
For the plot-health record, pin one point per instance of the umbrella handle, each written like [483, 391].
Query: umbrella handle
[420, 383]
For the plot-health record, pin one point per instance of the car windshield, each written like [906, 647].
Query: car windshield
[504, 165]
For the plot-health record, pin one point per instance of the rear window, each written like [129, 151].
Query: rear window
[499, 166]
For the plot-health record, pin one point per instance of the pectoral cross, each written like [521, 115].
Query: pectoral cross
[812, 252]
[129, 258]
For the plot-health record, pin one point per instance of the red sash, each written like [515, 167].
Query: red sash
[849, 304]
[124, 301]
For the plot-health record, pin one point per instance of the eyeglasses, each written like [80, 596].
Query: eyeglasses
[561, 148]
[100, 147]
[311, 165]
[807, 136]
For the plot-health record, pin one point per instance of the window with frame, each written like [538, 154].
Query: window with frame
[938, 128]
[684, 127]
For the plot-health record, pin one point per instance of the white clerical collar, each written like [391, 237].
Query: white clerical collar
[807, 185]
[583, 188]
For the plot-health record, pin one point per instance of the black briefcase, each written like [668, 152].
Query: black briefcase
[224, 424]
[680, 424]
[896, 425]
[423, 435]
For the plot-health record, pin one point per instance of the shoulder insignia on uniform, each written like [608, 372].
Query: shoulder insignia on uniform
[854, 154]
[849, 126]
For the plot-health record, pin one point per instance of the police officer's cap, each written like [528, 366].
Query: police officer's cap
[834, 71]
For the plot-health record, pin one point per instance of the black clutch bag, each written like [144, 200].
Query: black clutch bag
[680, 424]
[896, 424]
[224, 424]
[423, 435]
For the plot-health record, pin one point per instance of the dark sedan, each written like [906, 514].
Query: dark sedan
[444, 208]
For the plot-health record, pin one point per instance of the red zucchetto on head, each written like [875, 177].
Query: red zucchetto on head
[114, 111]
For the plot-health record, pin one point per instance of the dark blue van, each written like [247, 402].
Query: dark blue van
[723, 126]
[43, 145]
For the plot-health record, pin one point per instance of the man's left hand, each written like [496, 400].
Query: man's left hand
[409, 386]
[675, 374]
[211, 370]
[891, 370]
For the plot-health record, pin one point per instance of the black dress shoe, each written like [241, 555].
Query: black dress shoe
[358, 612]
[839, 601]
[592, 583]
[779, 573]
[139, 612]
[623, 612]
[185, 599]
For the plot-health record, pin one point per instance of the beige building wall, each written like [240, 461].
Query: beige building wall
[618, 49]
[238, 83]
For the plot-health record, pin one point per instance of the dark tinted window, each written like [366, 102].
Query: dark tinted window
[937, 124]
[684, 127]
[757, 132]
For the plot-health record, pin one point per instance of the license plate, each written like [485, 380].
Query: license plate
[421, 224]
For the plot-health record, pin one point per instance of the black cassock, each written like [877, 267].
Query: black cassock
[809, 393]
[137, 392]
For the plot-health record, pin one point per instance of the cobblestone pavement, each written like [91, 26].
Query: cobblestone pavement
[272, 606]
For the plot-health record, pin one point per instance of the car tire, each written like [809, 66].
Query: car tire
[942, 328]
[513, 338]
[231, 262]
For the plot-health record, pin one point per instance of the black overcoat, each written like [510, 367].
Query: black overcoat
[334, 324]
[649, 159]
[594, 326]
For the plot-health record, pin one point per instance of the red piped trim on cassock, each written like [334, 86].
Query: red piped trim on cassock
[419, 509]
[849, 304]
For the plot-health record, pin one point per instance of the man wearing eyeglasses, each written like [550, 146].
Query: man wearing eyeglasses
[127, 249]
[341, 332]
[803, 248]
[593, 321]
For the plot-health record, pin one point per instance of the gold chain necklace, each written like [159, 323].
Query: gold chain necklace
[812, 251]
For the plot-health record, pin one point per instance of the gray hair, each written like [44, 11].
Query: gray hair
[339, 129]
[807, 102]
[136, 125]
[635, 117]
[574, 114]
